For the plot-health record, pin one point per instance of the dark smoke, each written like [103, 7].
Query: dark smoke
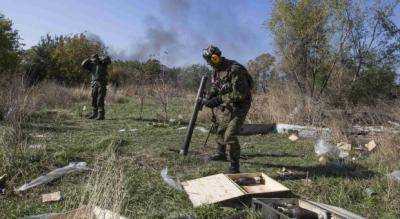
[187, 26]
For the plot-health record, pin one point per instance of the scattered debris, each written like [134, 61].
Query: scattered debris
[344, 149]
[323, 160]
[293, 137]
[370, 192]
[201, 129]
[299, 208]
[57, 173]
[395, 175]
[84, 108]
[36, 146]
[303, 131]
[323, 147]
[2, 186]
[223, 187]
[172, 120]
[159, 124]
[284, 173]
[51, 197]
[84, 212]
[167, 179]
[198, 128]
[371, 145]
[394, 123]
[40, 135]
[307, 181]
[124, 130]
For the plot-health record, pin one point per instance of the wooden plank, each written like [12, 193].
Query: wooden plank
[270, 185]
[211, 189]
[336, 212]
[51, 197]
[322, 213]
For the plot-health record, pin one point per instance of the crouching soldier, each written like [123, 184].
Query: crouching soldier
[98, 69]
[231, 94]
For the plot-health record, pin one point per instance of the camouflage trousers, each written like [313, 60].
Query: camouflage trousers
[99, 92]
[230, 120]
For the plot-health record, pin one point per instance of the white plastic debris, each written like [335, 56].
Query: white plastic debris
[169, 181]
[395, 175]
[124, 130]
[84, 108]
[303, 131]
[201, 129]
[323, 148]
[57, 173]
[198, 128]
[35, 146]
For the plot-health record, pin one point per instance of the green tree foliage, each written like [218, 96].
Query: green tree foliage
[10, 47]
[59, 58]
[190, 76]
[262, 69]
[330, 48]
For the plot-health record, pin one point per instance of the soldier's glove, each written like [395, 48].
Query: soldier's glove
[212, 102]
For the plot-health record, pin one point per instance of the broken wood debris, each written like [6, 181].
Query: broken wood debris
[293, 137]
[371, 145]
[223, 187]
[51, 197]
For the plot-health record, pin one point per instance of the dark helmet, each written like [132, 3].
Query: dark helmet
[211, 50]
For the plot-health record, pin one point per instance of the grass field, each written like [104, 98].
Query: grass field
[128, 164]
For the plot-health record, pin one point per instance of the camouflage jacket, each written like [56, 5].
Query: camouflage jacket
[98, 71]
[233, 84]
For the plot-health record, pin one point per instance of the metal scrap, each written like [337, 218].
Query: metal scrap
[57, 173]
[169, 181]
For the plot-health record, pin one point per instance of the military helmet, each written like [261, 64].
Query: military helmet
[209, 51]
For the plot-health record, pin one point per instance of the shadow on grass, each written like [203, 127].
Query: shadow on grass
[58, 128]
[343, 170]
[246, 156]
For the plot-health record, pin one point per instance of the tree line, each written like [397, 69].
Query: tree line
[340, 50]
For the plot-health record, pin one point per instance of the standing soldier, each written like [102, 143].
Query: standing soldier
[231, 93]
[98, 69]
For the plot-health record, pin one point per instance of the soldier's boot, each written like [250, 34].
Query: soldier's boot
[234, 154]
[234, 167]
[220, 155]
[101, 115]
[93, 115]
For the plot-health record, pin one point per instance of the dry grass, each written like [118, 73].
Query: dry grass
[105, 187]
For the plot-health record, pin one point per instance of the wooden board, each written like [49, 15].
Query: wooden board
[211, 189]
[270, 186]
[335, 212]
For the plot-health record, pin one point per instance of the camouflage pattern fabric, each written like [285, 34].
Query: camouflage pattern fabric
[98, 70]
[234, 86]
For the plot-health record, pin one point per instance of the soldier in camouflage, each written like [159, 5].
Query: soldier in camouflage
[98, 68]
[231, 94]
